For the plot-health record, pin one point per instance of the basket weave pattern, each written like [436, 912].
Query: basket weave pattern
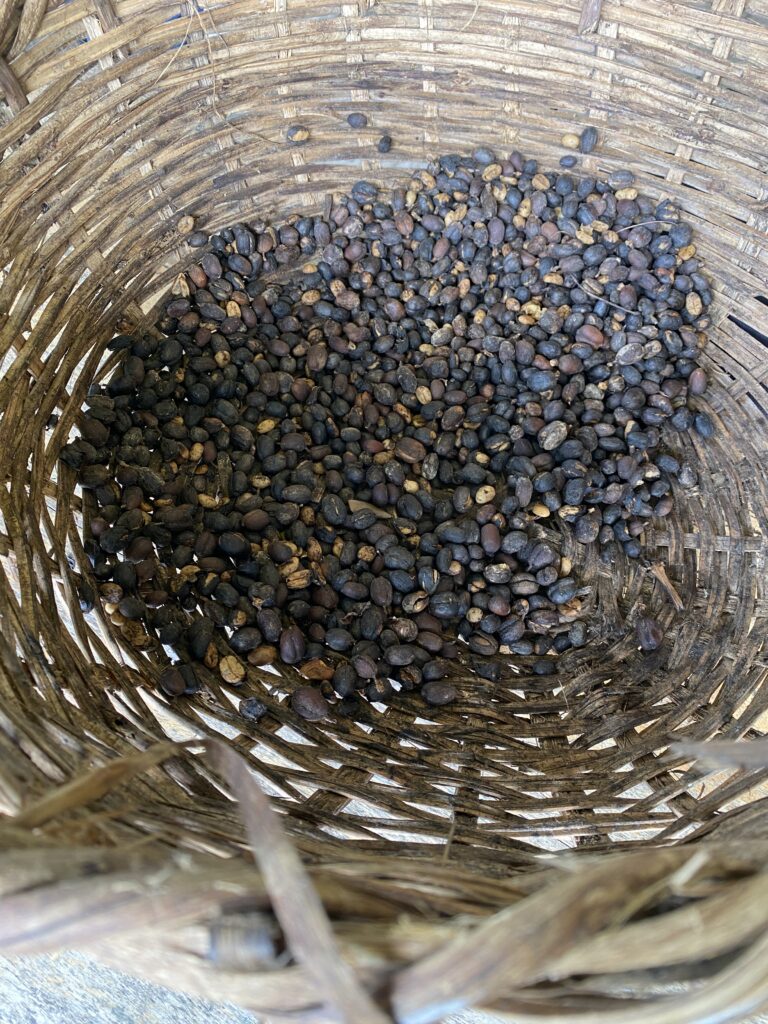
[120, 118]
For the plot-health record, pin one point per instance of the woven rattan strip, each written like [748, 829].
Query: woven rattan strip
[427, 834]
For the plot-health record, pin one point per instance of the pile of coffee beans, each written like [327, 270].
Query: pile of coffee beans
[348, 445]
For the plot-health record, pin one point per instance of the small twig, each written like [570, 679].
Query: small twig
[212, 61]
[657, 570]
[472, 17]
[176, 52]
[642, 224]
[449, 839]
[599, 298]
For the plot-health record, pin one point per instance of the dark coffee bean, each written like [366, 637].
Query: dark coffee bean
[410, 450]
[588, 140]
[252, 709]
[704, 424]
[132, 608]
[438, 668]
[268, 621]
[309, 703]
[562, 591]
[649, 633]
[438, 693]
[481, 643]
[339, 639]
[697, 382]
[371, 623]
[234, 544]
[444, 606]
[345, 680]
[245, 639]
[400, 654]
[365, 666]
[172, 681]
[255, 520]
[357, 120]
[382, 593]
[292, 645]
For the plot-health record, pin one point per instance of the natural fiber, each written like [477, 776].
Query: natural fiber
[426, 834]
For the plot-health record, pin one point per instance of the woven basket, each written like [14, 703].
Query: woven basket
[404, 862]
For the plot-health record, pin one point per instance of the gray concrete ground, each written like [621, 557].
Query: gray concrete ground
[70, 988]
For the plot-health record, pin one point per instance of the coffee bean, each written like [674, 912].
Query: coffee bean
[357, 120]
[292, 645]
[410, 450]
[172, 681]
[365, 666]
[132, 608]
[339, 639]
[400, 654]
[309, 703]
[382, 593]
[232, 669]
[256, 520]
[697, 382]
[252, 709]
[588, 140]
[245, 639]
[438, 668]
[438, 693]
[297, 133]
[649, 633]
[268, 621]
[704, 424]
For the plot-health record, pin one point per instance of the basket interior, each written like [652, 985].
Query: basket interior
[122, 121]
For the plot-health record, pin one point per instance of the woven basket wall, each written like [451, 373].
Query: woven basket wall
[424, 881]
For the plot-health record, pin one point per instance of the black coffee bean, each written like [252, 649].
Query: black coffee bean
[252, 709]
[444, 606]
[649, 633]
[438, 693]
[245, 639]
[132, 608]
[371, 623]
[400, 654]
[309, 703]
[292, 645]
[382, 593]
[339, 639]
[234, 544]
[345, 680]
[704, 424]
[588, 140]
[172, 681]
